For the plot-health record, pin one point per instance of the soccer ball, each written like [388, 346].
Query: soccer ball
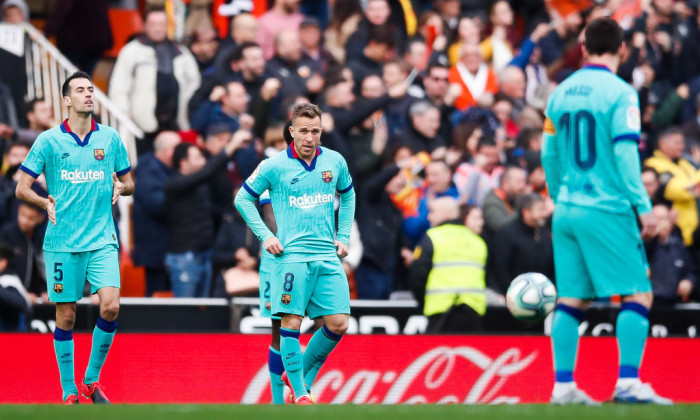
[531, 297]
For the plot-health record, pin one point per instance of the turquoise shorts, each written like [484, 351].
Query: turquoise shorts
[66, 272]
[598, 254]
[267, 264]
[316, 288]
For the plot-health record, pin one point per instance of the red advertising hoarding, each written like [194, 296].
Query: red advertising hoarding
[228, 368]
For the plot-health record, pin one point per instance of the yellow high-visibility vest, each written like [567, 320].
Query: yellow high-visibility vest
[458, 273]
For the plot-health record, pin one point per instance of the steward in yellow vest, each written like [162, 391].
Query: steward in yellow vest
[448, 271]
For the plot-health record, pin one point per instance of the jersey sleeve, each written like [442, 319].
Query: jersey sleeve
[345, 183]
[259, 181]
[626, 122]
[550, 162]
[35, 161]
[122, 166]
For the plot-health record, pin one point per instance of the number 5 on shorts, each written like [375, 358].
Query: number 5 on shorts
[58, 273]
[288, 282]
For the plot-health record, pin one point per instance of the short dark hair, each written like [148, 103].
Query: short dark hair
[381, 35]
[153, 9]
[650, 169]
[603, 36]
[180, 152]
[29, 106]
[237, 54]
[526, 201]
[670, 131]
[305, 110]
[434, 65]
[65, 91]
[485, 141]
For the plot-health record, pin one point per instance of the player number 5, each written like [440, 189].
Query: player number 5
[58, 273]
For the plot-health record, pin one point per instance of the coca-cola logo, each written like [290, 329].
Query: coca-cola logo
[441, 375]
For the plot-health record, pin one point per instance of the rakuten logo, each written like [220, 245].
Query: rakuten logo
[307, 201]
[79, 177]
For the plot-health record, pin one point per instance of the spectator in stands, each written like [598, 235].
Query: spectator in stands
[680, 179]
[512, 84]
[154, 78]
[191, 232]
[311, 43]
[447, 274]
[296, 71]
[422, 134]
[13, 71]
[379, 222]
[8, 182]
[222, 182]
[672, 269]
[497, 49]
[435, 84]
[368, 140]
[376, 15]
[283, 16]
[650, 179]
[481, 174]
[523, 245]
[345, 17]
[149, 211]
[473, 218]
[449, 11]
[438, 183]
[556, 43]
[395, 72]
[204, 45]
[25, 235]
[499, 203]
[39, 116]
[478, 83]
[236, 248]
[226, 105]
[467, 33]
[244, 29]
[416, 57]
[70, 21]
[376, 51]
[15, 306]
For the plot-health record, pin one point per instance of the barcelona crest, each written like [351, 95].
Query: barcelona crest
[58, 288]
[99, 154]
[327, 176]
[286, 299]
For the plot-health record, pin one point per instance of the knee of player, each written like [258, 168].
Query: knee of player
[110, 310]
[338, 325]
[65, 316]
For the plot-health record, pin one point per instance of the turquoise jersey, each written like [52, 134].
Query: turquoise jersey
[589, 149]
[79, 176]
[302, 199]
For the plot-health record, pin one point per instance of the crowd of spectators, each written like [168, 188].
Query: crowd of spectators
[424, 99]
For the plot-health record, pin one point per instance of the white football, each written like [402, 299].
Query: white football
[531, 297]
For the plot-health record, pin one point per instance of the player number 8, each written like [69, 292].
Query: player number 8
[288, 282]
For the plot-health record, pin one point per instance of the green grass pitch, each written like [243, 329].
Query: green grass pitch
[343, 412]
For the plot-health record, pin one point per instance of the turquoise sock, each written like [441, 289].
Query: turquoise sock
[102, 337]
[276, 367]
[565, 341]
[631, 331]
[64, 347]
[292, 360]
[322, 343]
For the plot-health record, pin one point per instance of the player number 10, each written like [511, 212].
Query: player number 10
[583, 126]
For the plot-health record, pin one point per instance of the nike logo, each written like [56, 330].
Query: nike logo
[289, 356]
[295, 180]
[64, 355]
[65, 155]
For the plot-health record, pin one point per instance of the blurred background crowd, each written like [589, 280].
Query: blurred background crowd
[424, 99]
